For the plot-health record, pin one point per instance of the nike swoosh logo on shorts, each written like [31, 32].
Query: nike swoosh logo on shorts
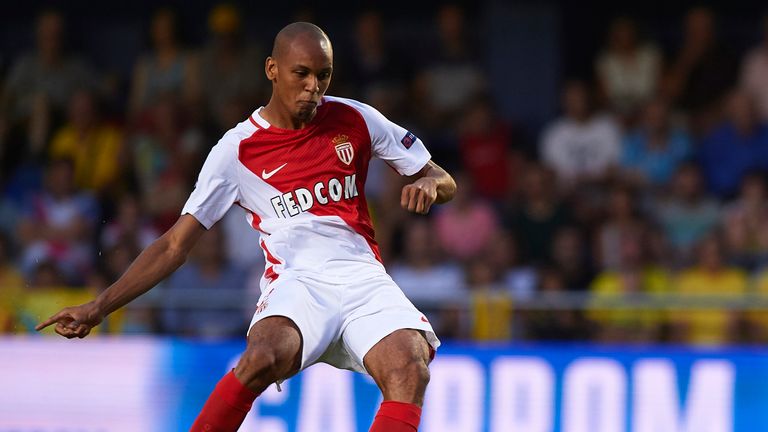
[265, 175]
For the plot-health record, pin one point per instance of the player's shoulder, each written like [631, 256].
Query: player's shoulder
[361, 107]
[239, 133]
[228, 146]
[367, 112]
[344, 101]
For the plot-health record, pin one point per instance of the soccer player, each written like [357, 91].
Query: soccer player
[297, 166]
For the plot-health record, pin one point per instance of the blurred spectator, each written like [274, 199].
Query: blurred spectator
[487, 152]
[43, 289]
[44, 296]
[451, 65]
[745, 223]
[622, 218]
[518, 279]
[688, 214]
[45, 274]
[164, 70]
[435, 287]
[91, 144]
[11, 285]
[227, 70]
[702, 71]
[166, 155]
[207, 269]
[710, 276]
[631, 276]
[481, 275]
[754, 73]
[239, 239]
[580, 146]
[389, 220]
[9, 215]
[453, 222]
[556, 239]
[758, 318]
[570, 254]
[419, 274]
[627, 69]
[36, 92]
[491, 306]
[734, 148]
[240, 236]
[539, 214]
[58, 225]
[118, 257]
[373, 68]
[48, 73]
[652, 152]
[130, 225]
[554, 323]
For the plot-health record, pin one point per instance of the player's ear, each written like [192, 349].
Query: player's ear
[270, 68]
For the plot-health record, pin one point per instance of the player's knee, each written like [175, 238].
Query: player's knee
[259, 363]
[413, 373]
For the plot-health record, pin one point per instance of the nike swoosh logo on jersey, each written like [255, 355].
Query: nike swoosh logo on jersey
[265, 175]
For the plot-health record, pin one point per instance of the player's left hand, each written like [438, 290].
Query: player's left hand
[419, 196]
[74, 321]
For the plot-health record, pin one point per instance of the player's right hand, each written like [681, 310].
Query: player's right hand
[75, 321]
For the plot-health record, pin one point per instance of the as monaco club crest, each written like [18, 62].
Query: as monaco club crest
[344, 149]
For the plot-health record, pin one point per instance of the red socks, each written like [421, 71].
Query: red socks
[396, 417]
[226, 407]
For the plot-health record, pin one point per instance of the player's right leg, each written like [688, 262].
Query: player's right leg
[273, 353]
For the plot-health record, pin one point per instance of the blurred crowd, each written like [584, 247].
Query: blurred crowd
[651, 180]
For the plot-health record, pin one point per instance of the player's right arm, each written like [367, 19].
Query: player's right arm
[154, 264]
[215, 192]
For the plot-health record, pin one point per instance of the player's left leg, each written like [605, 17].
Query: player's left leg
[399, 365]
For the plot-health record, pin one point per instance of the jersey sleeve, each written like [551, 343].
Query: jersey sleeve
[216, 188]
[400, 148]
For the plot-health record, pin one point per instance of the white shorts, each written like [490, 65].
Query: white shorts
[340, 323]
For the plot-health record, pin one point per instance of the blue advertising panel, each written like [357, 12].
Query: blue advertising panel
[131, 384]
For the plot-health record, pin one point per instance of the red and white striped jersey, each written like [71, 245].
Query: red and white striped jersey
[303, 190]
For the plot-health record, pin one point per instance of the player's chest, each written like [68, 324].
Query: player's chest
[315, 154]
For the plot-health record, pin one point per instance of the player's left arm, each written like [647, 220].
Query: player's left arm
[433, 185]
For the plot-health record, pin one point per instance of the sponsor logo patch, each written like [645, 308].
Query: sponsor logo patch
[408, 139]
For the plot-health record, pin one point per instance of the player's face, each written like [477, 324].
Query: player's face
[302, 75]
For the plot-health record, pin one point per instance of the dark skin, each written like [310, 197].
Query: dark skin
[300, 70]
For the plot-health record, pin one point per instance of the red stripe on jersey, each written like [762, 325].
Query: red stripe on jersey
[270, 274]
[255, 219]
[250, 117]
[292, 159]
[270, 257]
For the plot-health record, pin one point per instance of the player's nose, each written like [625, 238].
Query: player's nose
[312, 84]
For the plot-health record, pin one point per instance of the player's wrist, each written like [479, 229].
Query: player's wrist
[98, 308]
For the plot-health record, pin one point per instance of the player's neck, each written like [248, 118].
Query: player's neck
[282, 118]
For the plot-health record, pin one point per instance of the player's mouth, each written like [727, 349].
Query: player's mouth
[307, 104]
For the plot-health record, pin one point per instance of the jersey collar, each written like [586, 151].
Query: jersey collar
[261, 122]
